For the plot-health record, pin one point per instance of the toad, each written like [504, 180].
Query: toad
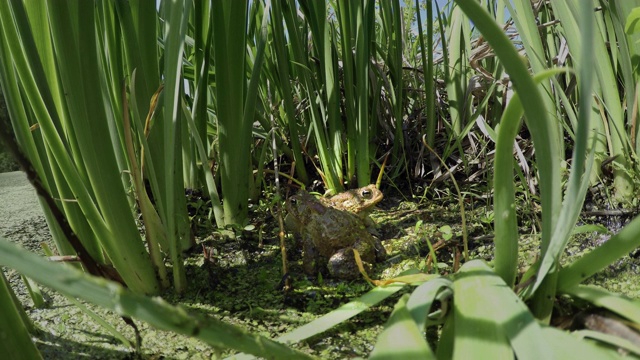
[329, 236]
[358, 201]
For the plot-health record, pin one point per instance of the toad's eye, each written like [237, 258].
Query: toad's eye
[366, 193]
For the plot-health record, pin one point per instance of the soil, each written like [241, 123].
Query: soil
[243, 270]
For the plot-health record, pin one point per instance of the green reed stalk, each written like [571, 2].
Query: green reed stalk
[364, 13]
[457, 70]
[16, 341]
[327, 86]
[92, 172]
[32, 144]
[606, 89]
[311, 88]
[391, 15]
[346, 25]
[234, 128]
[282, 82]
[176, 18]
[202, 51]
[427, 70]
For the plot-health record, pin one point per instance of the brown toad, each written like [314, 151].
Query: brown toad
[328, 237]
[358, 201]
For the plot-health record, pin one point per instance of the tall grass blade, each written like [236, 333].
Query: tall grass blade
[16, 341]
[569, 13]
[364, 12]
[391, 14]
[284, 72]
[427, 69]
[234, 132]
[457, 71]
[599, 258]
[176, 17]
[578, 179]
[94, 179]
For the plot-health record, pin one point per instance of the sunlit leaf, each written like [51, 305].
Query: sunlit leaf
[401, 337]
[632, 24]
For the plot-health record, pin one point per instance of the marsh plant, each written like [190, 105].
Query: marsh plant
[104, 97]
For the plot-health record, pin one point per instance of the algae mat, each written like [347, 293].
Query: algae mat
[18, 200]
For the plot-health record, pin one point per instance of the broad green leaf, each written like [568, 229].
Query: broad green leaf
[566, 346]
[447, 339]
[614, 341]
[401, 338]
[617, 303]
[422, 299]
[341, 314]
[476, 329]
[632, 25]
[506, 229]
[599, 258]
[490, 319]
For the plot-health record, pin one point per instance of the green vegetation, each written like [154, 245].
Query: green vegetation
[119, 106]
